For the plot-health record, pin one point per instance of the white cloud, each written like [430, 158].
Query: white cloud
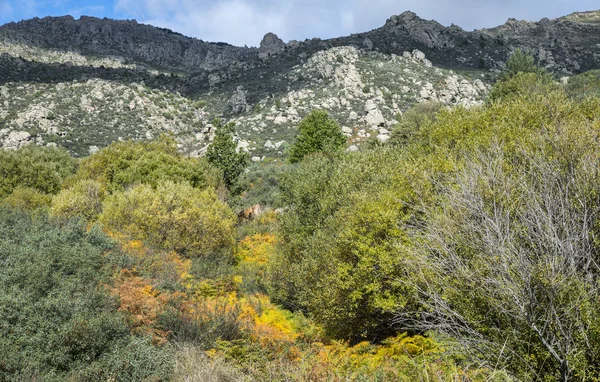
[242, 22]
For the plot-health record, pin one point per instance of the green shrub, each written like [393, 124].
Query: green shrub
[337, 257]
[123, 164]
[412, 120]
[83, 199]
[58, 321]
[26, 198]
[584, 84]
[317, 132]
[40, 168]
[174, 216]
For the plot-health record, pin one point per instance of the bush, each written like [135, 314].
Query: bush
[124, 164]
[58, 321]
[521, 77]
[503, 248]
[83, 199]
[337, 258]
[413, 120]
[317, 132]
[26, 198]
[174, 216]
[40, 168]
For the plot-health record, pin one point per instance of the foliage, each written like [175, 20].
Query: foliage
[83, 199]
[337, 257]
[317, 132]
[260, 185]
[26, 198]
[584, 84]
[224, 155]
[40, 168]
[521, 62]
[173, 216]
[57, 321]
[504, 249]
[124, 164]
[521, 77]
[412, 120]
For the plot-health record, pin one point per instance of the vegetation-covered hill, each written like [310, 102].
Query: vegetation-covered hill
[335, 210]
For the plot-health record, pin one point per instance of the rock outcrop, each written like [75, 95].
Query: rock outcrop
[270, 45]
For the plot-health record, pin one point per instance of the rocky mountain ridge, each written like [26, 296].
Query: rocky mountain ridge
[84, 83]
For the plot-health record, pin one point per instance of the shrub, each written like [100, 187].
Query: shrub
[413, 120]
[27, 199]
[40, 168]
[520, 77]
[123, 164]
[337, 258]
[83, 199]
[175, 216]
[317, 132]
[58, 321]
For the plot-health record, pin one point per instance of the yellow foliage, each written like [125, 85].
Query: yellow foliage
[256, 248]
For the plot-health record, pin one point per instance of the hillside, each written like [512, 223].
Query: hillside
[126, 80]
[414, 203]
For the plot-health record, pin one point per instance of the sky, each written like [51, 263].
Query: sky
[244, 22]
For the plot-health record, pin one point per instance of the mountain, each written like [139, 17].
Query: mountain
[84, 83]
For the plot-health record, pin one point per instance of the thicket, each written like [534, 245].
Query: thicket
[483, 228]
[40, 168]
[467, 250]
[58, 322]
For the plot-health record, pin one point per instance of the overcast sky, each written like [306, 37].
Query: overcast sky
[244, 22]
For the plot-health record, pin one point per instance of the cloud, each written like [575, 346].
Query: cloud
[245, 21]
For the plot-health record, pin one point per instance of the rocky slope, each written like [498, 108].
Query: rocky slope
[84, 83]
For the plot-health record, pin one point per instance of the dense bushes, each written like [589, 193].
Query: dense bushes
[123, 164]
[484, 227]
[40, 168]
[57, 321]
[338, 258]
[173, 216]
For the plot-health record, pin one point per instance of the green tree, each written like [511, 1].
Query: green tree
[521, 76]
[317, 132]
[338, 257]
[224, 155]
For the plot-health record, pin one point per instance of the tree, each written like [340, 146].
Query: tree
[521, 76]
[337, 256]
[317, 132]
[224, 155]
